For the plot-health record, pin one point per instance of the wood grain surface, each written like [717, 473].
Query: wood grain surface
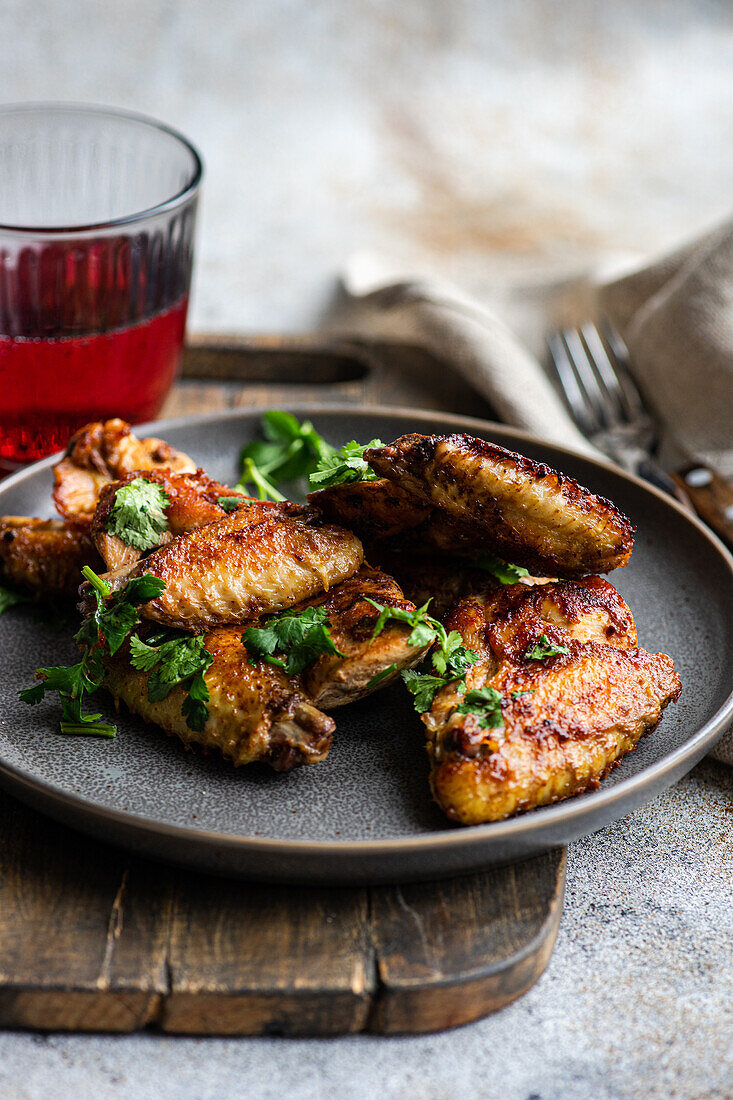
[92, 939]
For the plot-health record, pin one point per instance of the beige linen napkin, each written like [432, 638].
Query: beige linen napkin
[676, 316]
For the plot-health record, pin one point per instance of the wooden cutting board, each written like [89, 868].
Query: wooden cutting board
[92, 939]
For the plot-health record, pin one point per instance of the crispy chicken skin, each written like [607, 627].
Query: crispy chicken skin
[376, 510]
[256, 712]
[587, 708]
[333, 681]
[522, 510]
[259, 559]
[193, 503]
[45, 555]
[102, 452]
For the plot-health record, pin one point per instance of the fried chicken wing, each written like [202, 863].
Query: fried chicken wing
[333, 681]
[256, 712]
[260, 559]
[376, 510]
[567, 718]
[45, 555]
[102, 452]
[193, 502]
[496, 500]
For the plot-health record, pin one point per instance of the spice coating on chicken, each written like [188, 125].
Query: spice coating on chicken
[193, 502]
[333, 681]
[45, 555]
[260, 559]
[256, 712]
[102, 452]
[522, 510]
[576, 714]
[374, 509]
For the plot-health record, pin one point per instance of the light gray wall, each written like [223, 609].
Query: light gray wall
[487, 138]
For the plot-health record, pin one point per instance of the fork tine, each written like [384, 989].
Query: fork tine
[619, 358]
[586, 375]
[607, 377]
[562, 363]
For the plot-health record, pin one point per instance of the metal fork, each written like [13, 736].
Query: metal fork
[591, 366]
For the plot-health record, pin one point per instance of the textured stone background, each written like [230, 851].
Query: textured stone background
[500, 142]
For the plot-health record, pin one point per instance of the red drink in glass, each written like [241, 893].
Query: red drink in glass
[97, 213]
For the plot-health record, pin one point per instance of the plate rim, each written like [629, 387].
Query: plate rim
[597, 803]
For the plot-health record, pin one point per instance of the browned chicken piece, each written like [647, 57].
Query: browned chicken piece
[507, 504]
[333, 681]
[442, 580]
[566, 718]
[193, 503]
[256, 712]
[260, 559]
[374, 509]
[45, 555]
[102, 452]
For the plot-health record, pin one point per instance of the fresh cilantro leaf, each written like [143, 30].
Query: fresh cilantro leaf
[544, 648]
[301, 636]
[290, 450]
[10, 597]
[519, 694]
[138, 514]
[382, 675]
[453, 660]
[504, 571]
[425, 629]
[230, 504]
[113, 617]
[180, 659]
[424, 686]
[345, 466]
[485, 703]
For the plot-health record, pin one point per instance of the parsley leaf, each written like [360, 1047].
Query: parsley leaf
[290, 450]
[180, 659]
[301, 636]
[544, 648]
[504, 571]
[485, 703]
[345, 466]
[9, 597]
[105, 630]
[138, 514]
[230, 504]
[449, 661]
[519, 694]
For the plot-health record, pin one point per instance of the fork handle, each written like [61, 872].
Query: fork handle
[711, 496]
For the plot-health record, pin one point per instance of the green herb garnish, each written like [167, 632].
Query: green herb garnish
[173, 660]
[138, 514]
[10, 597]
[112, 619]
[544, 648]
[485, 704]
[345, 466]
[382, 675]
[300, 636]
[290, 450]
[504, 571]
[449, 661]
[230, 504]
[519, 694]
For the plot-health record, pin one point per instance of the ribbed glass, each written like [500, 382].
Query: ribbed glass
[97, 217]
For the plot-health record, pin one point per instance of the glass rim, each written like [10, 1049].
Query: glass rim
[178, 199]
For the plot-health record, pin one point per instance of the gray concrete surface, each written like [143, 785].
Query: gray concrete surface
[501, 143]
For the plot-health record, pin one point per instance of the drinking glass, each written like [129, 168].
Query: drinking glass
[97, 216]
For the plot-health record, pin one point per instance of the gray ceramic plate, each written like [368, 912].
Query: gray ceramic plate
[365, 814]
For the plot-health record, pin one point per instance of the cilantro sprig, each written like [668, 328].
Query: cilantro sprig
[113, 617]
[345, 466]
[173, 659]
[485, 703]
[289, 451]
[449, 661]
[544, 648]
[138, 513]
[504, 571]
[300, 636]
